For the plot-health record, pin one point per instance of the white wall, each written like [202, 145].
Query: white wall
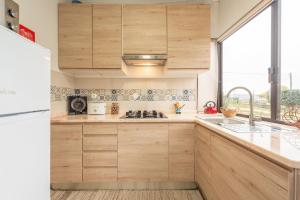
[230, 11]
[41, 17]
[208, 80]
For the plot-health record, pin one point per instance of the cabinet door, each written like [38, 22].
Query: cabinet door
[181, 152]
[75, 36]
[238, 174]
[107, 36]
[297, 182]
[203, 161]
[144, 29]
[143, 152]
[66, 153]
[188, 36]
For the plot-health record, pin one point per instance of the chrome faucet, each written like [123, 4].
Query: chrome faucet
[251, 116]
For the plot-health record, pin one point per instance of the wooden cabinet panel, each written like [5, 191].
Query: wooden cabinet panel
[75, 36]
[100, 174]
[143, 151]
[100, 142]
[66, 153]
[238, 174]
[297, 184]
[188, 36]
[100, 129]
[107, 36]
[181, 152]
[100, 159]
[144, 29]
[203, 161]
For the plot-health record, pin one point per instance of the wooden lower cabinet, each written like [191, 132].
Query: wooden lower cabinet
[66, 153]
[235, 173]
[100, 157]
[181, 152]
[240, 174]
[297, 184]
[224, 170]
[203, 161]
[143, 151]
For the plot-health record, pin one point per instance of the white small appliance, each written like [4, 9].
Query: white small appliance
[96, 108]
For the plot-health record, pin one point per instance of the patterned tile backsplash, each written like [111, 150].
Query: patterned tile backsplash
[61, 93]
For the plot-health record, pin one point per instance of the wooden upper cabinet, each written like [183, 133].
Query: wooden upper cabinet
[107, 36]
[188, 36]
[144, 29]
[75, 36]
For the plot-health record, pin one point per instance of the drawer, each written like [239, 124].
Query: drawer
[100, 129]
[100, 174]
[100, 159]
[100, 142]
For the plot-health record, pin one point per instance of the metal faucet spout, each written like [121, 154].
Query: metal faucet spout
[251, 116]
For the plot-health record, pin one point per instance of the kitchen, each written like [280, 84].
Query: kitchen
[163, 99]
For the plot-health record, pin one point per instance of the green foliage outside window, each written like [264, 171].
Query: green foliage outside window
[290, 98]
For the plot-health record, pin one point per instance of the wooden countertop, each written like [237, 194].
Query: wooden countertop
[283, 148]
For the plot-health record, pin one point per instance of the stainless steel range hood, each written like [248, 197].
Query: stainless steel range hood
[145, 59]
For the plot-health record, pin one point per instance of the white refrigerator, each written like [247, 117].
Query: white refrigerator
[24, 118]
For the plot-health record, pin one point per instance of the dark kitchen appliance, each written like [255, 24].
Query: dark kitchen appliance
[77, 105]
[143, 114]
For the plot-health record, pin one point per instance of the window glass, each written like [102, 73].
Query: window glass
[290, 60]
[245, 60]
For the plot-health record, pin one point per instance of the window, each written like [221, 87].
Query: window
[269, 42]
[246, 59]
[290, 62]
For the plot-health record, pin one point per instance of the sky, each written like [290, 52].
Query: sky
[247, 53]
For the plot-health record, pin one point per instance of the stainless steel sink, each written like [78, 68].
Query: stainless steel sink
[247, 128]
[240, 126]
[221, 121]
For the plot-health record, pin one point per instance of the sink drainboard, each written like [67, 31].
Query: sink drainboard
[293, 139]
[246, 128]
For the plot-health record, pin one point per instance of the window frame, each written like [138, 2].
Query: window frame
[275, 68]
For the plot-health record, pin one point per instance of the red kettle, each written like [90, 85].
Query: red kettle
[210, 108]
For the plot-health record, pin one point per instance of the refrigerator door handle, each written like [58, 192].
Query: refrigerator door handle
[23, 113]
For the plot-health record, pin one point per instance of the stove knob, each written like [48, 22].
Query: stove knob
[145, 114]
[161, 115]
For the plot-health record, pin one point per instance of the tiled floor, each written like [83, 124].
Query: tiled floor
[127, 195]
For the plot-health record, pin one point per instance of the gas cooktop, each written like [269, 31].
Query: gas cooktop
[143, 114]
